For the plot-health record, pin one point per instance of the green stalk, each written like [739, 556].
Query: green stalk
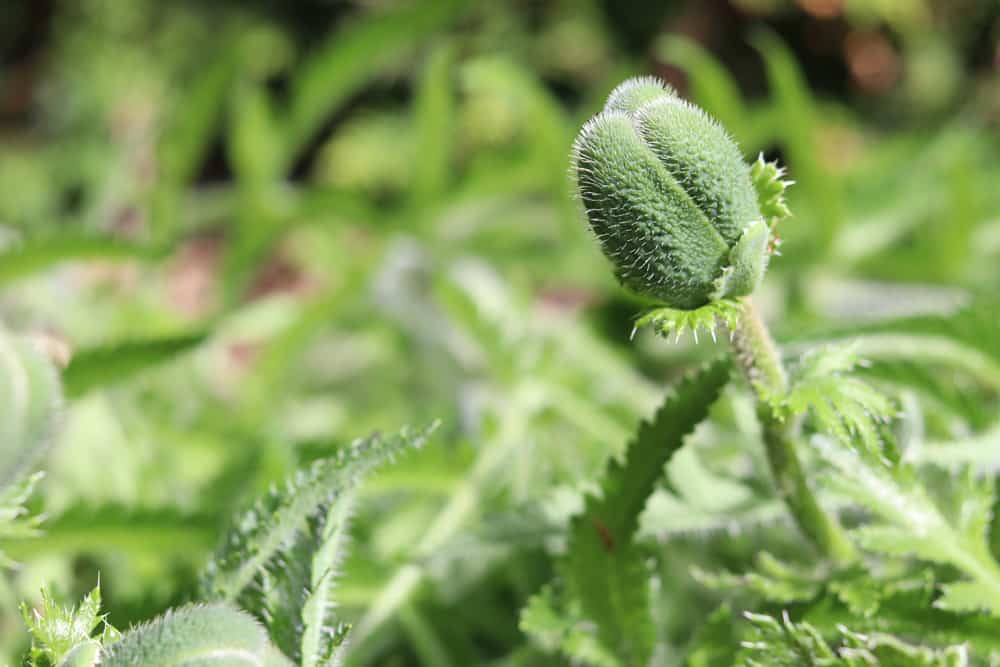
[758, 356]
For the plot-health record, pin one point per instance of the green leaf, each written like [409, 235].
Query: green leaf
[213, 634]
[15, 521]
[950, 530]
[556, 629]
[784, 643]
[30, 403]
[97, 367]
[350, 58]
[604, 568]
[322, 634]
[35, 255]
[434, 121]
[772, 580]
[280, 560]
[840, 404]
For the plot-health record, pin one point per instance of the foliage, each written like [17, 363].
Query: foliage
[235, 235]
[604, 567]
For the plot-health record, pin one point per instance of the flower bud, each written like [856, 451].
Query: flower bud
[670, 199]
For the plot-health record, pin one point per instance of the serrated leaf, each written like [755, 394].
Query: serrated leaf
[772, 580]
[950, 531]
[96, 367]
[559, 629]
[15, 520]
[784, 643]
[604, 568]
[966, 597]
[279, 560]
[839, 404]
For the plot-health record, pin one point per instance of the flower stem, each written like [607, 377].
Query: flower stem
[758, 356]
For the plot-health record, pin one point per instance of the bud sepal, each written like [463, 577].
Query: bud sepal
[667, 322]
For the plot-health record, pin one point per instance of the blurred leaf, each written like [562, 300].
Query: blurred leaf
[41, 253]
[30, 404]
[795, 125]
[434, 120]
[350, 58]
[121, 530]
[97, 367]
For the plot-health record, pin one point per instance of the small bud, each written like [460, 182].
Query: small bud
[670, 199]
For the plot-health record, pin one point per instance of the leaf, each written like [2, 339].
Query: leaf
[211, 634]
[966, 597]
[604, 568]
[56, 631]
[434, 124]
[965, 340]
[30, 404]
[39, 254]
[350, 57]
[772, 580]
[280, 560]
[97, 367]
[841, 405]
[123, 530]
[795, 124]
[15, 521]
[557, 629]
[950, 530]
[188, 129]
[785, 643]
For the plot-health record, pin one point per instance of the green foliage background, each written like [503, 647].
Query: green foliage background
[260, 231]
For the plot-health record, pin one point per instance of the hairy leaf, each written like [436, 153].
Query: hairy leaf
[604, 568]
[840, 404]
[280, 559]
[949, 530]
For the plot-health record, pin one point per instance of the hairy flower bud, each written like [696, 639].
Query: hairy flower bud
[669, 197]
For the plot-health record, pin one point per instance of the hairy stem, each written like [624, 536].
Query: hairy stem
[758, 356]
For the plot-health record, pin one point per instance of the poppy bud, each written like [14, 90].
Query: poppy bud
[670, 198]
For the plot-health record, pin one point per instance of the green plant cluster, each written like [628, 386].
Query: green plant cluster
[235, 237]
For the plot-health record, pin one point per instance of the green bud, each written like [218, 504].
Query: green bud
[210, 635]
[670, 198]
